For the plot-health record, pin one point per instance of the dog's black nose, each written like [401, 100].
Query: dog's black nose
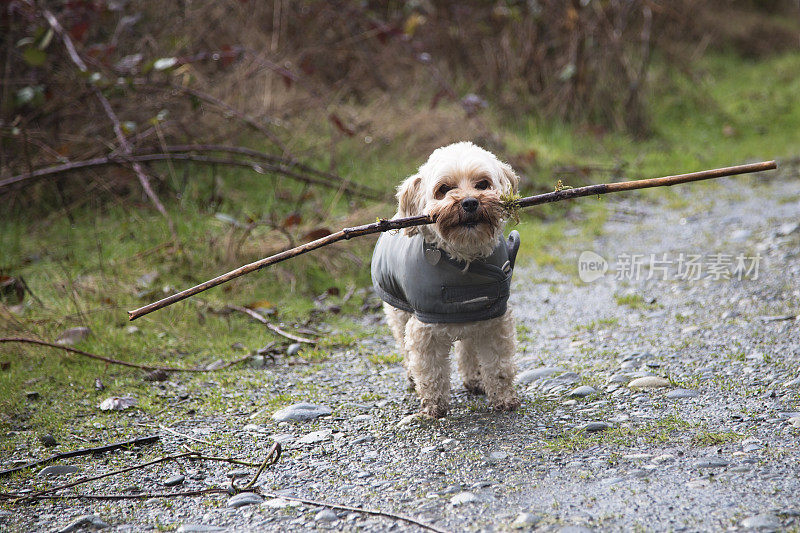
[470, 205]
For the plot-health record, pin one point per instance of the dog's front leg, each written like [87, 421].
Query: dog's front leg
[429, 364]
[494, 346]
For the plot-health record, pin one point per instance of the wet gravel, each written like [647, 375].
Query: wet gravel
[648, 404]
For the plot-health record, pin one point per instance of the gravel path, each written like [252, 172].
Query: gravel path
[648, 404]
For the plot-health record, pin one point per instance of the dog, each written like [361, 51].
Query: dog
[447, 284]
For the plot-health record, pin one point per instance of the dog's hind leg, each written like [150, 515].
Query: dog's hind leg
[397, 319]
[429, 365]
[470, 368]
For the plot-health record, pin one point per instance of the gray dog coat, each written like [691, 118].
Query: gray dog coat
[415, 276]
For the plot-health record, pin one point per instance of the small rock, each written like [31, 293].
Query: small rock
[234, 474]
[48, 440]
[663, 459]
[244, 498]
[89, 521]
[679, 394]
[786, 229]
[416, 418]
[362, 439]
[762, 522]
[361, 419]
[525, 520]
[73, 336]
[649, 382]
[215, 365]
[174, 480]
[582, 391]
[497, 456]
[527, 376]
[316, 436]
[276, 503]
[575, 529]
[301, 411]
[130, 330]
[711, 462]
[156, 375]
[117, 403]
[199, 528]
[593, 427]
[793, 384]
[57, 470]
[794, 421]
[462, 498]
[326, 515]
[619, 378]
[294, 349]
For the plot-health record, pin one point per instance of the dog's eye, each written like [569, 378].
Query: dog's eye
[442, 191]
[483, 185]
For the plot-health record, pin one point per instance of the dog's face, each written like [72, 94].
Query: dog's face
[460, 185]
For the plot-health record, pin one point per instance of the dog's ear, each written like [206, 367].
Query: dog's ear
[510, 181]
[409, 200]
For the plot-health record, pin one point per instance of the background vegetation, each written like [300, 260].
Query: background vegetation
[283, 120]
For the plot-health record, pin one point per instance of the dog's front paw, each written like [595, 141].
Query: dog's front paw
[434, 409]
[509, 403]
[474, 387]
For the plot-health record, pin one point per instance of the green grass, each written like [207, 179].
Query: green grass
[86, 267]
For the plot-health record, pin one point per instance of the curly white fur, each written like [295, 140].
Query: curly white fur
[484, 350]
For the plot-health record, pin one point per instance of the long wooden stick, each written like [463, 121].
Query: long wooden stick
[421, 220]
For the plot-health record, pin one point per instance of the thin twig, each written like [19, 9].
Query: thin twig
[270, 325]
[123, 363]
[87, 479]
[364, 510]
[272, 457]
[260, 167]
[383, 225]
[144, 179]
[83, 451]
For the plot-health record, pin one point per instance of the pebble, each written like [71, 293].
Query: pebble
[582, 391]
[762, 522]
[234, 474]
[294, 349]
[48, 441]
[58, 470]
[497, 456]
[315, 436]
[525, 520]
[326, 515]
[711, 462]
[679, 394]
[199, 528]
[575, 529]
[84, 522]
[362, 439]
[794, 421]
[244, 498]
[73, 336]
[619, 378]
[793, 384]
[527, 376]
[649, 382]
[174, 480]
[462, 498]
[301, 411]
[663, 459]
[361, 419]
[280, 503]
[593, 427]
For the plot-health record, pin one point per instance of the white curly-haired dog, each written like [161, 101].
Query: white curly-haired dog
[447, 283]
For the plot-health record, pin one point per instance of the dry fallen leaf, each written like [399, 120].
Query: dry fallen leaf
[117, 403]
[73, 336]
